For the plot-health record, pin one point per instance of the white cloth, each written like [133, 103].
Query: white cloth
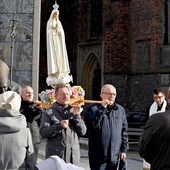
[56, 163]
[146, 165]
[57, 59]
[60, 80]
[154, 107]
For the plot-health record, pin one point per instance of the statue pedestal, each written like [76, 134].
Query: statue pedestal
[52, 80]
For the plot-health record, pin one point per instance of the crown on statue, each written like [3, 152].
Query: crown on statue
[55, 6]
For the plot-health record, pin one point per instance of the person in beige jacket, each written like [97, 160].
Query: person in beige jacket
[16, 148]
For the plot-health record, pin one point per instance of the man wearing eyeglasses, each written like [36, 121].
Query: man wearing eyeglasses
[159, 104]
[107, 125]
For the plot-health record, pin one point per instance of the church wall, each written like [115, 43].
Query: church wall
[145, 69]
[132, 56]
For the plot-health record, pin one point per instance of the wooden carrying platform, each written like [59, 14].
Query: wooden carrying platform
[73, 101]
[81, 101]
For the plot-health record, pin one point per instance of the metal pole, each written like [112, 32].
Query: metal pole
[12, 46]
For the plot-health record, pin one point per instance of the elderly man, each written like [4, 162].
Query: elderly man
[62, 125]
[33, 113]
[108, 138]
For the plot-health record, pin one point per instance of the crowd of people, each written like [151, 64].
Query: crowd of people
[23, 123]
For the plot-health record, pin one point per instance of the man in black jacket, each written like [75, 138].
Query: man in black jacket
[108, 138]
[32, 112]
[154, 143]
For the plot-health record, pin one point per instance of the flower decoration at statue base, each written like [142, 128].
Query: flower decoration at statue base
[47, 97]
[76, 91]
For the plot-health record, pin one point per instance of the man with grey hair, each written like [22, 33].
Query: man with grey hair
[107, 126]
[33, 113]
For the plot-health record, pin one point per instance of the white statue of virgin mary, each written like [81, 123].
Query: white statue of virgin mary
[57, 59]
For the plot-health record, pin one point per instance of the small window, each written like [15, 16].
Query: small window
[167, 22]
[96, 18]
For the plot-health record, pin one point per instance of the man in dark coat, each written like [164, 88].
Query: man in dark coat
[61, 125]
[107, 126]
[32, 112]
[154, 143]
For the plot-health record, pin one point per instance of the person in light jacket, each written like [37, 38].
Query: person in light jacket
[16, 148]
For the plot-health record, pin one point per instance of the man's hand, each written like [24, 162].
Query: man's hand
[65, 123]
[38, 104]
[76, 109]
[122, 155]
[105, 102]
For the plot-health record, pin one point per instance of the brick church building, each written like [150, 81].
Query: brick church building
[122, 42]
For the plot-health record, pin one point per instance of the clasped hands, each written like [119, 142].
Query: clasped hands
[58, 31]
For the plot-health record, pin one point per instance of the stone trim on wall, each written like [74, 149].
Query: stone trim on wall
[36, 47]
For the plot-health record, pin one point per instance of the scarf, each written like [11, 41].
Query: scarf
[154, 107]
